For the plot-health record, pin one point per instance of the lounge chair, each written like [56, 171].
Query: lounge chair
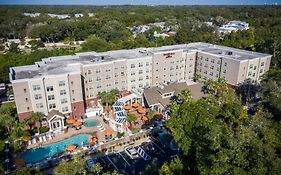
[102, 129]
[34, 141]
[44, 138]
[40, 139]
[50, 137]
[99, 126]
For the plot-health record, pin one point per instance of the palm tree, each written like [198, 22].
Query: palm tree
[34, 119]
[131, 118]
[108, 98]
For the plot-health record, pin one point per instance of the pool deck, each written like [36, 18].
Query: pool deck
[94, 131]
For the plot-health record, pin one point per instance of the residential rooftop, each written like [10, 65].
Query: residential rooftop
[67, 64]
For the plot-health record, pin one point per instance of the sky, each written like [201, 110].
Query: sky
[138, 2]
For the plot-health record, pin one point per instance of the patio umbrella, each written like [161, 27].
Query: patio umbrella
[141, 111]
[71, 121]
[108, 132]
[134, 113]
[19, 162]
[139, 119]
[77, 123]
[71, 147]
[145, 118]
[93, 140]
[25, 138]
[127, 107]
[135, 105]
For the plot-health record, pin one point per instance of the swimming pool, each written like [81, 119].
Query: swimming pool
[36, 154]
[91, 123]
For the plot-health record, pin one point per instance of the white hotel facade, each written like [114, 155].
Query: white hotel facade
[70, 83]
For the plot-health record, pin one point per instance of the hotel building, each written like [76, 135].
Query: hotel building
[70, 83]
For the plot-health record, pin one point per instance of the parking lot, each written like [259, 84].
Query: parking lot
[147, 151]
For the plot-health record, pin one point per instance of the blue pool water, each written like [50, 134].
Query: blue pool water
[36, 154]
[91, 123]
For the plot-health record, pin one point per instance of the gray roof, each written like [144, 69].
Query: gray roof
[52, 113]
[64, 64]
[153, 96]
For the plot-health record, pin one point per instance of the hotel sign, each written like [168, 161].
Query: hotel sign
[168, 55]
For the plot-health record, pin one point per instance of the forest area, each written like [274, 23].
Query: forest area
[217, 135]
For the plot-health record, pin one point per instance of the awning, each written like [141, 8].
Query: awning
[108, 132]
[71, 120]
[71, 147]
[135, 105]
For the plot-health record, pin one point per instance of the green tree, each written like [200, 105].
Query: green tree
[218, 137]
[96, 169]
[131, 118]
[94, 43]
[26, 171]
[73, 167]
[14, 47]
[34, 121]
[185, 96]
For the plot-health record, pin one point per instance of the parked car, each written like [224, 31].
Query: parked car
[90, 163]
[11, 97]
[131, 152]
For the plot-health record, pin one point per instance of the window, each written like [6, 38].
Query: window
[140, 85]
[116, 75]
[133, 66]
[107, 77]
[24, 90]
[177, 67]
[206, 65]
[133, 80]
[205, 72]
[218, 69]
[133, 73]
[206, 59]
[140, 65]
[50, 88]
[90, 71]
[38, 96]
[65, 109]
[61, 83]
[262, 63]
[108, 85]
[26, 99]
[98, 78]
[211, 73]
[107, 70]
[219, 62]
[261, 71]
[224, 71]
[225, 64]
[190, 65]
[140, 78]
[51, 97]
[251, 66]
[116, 82]
[64, 100]
[172, 68]
[52, 106]
[147, 63]
[90, 80]
[140, 71]
[98, 86]
[147, 71]
[39, 105]
[147, 77]
[122, 73]
[98, 71]
[62, 92]
[213, 61]
[254, 74]
[36, 87]
[255, 67]
[250, 73]
[212, 67]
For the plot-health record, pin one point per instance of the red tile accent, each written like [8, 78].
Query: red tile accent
[78, 109]
[24, 115]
